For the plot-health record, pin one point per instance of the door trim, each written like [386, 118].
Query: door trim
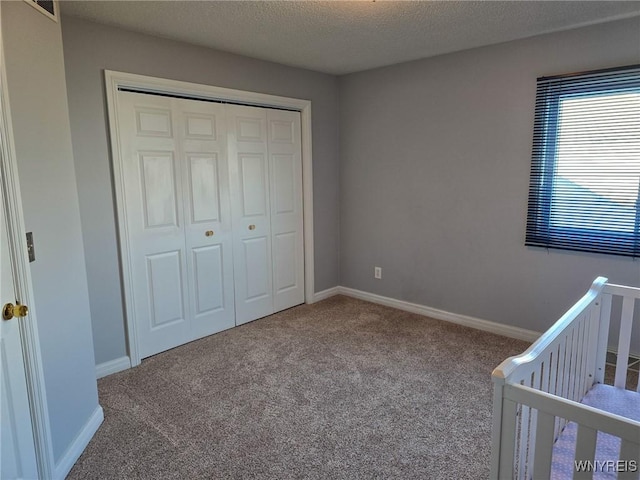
[115, 80]
[34, 372]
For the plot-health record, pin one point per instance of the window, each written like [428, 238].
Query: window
[585, 170]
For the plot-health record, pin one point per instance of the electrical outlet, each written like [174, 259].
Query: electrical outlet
[377, 272]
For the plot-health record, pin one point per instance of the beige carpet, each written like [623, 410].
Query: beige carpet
[338, 389]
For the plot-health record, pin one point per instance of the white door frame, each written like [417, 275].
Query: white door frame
[114, 81]
[23, 287]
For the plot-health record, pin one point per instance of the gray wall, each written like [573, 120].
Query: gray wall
[91, 48]
[435, 157]
[38, 102]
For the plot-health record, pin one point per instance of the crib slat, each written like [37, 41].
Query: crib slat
[553, 370]
[594, 319]
[577, 365]
[624, 342]
[536, 383]
[508, 444]
[572, 363]
[560, 380]
[585, 450]
[525, 420]
[543, 445]
[561, 370]
[629, 452]
[585, 347]
[564, 361]
[568, 365]
[545, 366]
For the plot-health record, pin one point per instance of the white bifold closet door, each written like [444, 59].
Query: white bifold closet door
[213, 202]
[178, 218]
[266, 205]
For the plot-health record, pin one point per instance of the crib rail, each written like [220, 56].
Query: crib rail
[590, 421]
[560, 367]
[629, 296]
[559, 338]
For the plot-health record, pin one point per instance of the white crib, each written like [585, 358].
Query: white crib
[553, 417]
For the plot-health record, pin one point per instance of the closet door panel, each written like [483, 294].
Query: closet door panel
[250, 200]
[256, 256]
[285, 167]
[155, 223]
[253, 185]
[285, 268]
[208, 231]
[157, 178]
[205, 187]
[164, 277]
[208, 276]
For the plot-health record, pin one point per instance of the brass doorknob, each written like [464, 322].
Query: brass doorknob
[10, 310]
[208, 233]
[252, 227]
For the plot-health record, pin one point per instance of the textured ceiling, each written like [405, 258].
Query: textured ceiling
[342, 37]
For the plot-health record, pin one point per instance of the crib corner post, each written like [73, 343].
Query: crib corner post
[603, 336]
[496, 427]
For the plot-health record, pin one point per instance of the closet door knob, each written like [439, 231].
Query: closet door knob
[10, 310]
[252, 227]
[208, 233]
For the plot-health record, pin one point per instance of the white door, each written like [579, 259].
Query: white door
[179, 227]
[285, 175]
[265, 163]
[17, 454]
[155, 221]
[203, 153]
[251, 215]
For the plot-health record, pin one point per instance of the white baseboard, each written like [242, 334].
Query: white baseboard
[112, 366]
[477, 323]
[324, 294]
[70, 457]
